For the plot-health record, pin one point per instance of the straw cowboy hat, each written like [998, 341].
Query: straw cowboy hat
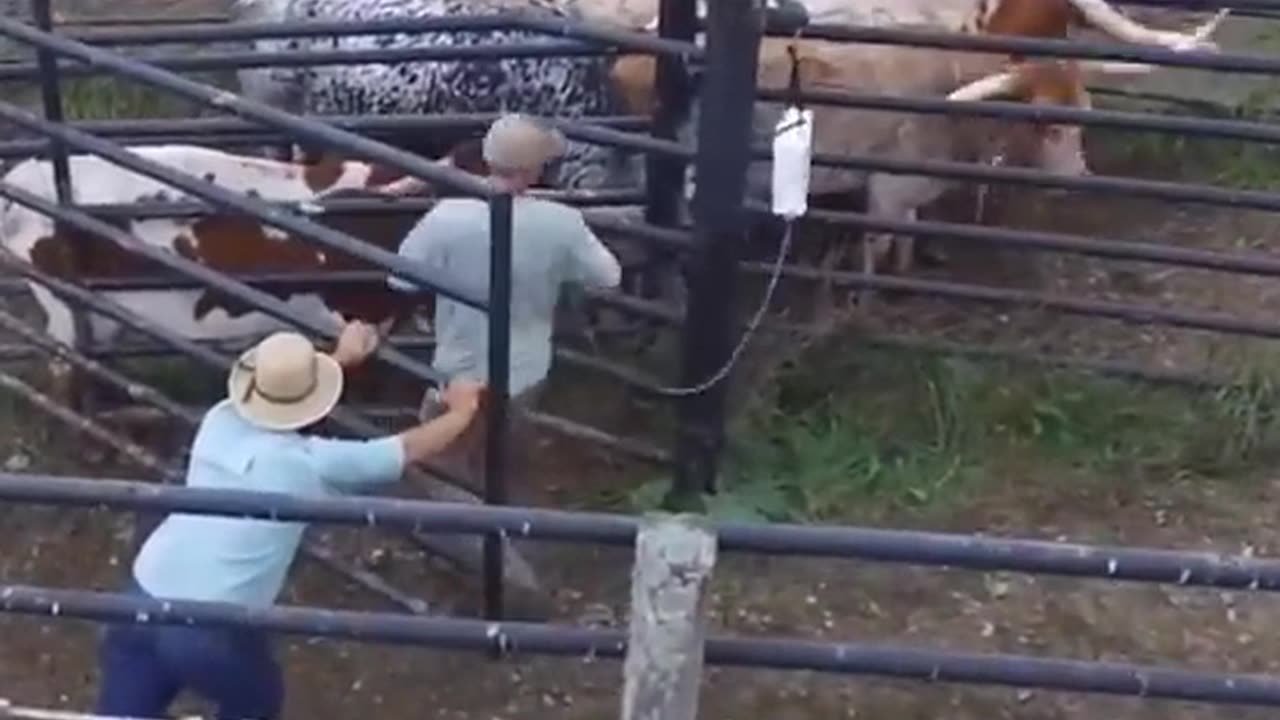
[518, 142]
[284, 383]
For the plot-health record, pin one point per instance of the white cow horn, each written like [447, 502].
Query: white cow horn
[1204, 31]
[1115, 68]
[989, 86]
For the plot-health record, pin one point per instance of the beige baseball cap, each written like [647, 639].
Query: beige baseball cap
[519, 142]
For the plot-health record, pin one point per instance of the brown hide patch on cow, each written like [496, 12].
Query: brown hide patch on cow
[1049, 82]
[469, 155]
[381, 175]
[322, 174]
[385, 230]
[72, 254]
[237, 245]
[1029, 18]
[634, 78]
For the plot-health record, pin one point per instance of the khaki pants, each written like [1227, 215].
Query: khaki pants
[465, 457]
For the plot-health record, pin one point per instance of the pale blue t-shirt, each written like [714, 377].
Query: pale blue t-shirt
[550, 245]
[242, 560]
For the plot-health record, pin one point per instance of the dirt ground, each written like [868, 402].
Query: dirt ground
[51, 663]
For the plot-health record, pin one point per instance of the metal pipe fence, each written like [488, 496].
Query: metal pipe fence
[229, 200]
[208, 61]
[449, 487]
[733, 25]
[355, 123]
[566, 641]
[304, 129]
[148, 460]
[781, 539]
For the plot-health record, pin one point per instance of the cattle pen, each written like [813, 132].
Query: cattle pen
[481, 529]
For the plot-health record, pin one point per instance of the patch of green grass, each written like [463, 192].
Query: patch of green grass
[1224, 162]
[107, 98]
[179, 379]
[848, 428]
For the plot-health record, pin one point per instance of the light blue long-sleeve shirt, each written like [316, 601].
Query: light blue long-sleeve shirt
[245, 561]
[551, 245]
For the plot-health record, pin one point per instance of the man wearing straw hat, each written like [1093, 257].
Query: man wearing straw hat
[251, 441]
[551, 246]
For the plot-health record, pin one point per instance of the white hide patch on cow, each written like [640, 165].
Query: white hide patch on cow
[98, 181]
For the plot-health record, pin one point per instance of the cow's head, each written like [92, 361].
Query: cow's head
[1054, 147]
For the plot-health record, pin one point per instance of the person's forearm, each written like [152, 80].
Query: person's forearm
[431, 438]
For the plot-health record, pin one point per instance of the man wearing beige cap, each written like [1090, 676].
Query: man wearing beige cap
[251, 441]
[551, 246]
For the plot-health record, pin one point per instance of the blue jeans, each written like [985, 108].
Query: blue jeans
[144, 667]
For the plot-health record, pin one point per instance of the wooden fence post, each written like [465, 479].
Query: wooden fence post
[663, 669]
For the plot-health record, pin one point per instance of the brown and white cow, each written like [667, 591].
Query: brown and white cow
[226, 243]
[1029, 18]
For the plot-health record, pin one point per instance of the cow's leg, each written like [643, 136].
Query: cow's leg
[904, 249]
[895, 197]
[60, 325]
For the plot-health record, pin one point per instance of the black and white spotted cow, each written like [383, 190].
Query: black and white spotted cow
[562, 87]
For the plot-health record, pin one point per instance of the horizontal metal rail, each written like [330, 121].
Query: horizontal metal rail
[89, 21]
[404, 122]
[1141, 314]
[1189, 380]
[1105, 368]
[302, 128]
[1039, 47]
[1250, 263]
[633, 448]
[668, 238]
[1128, 312]
[1207, 5]
[232, 31]
[211, 61]
[979, 172]
[500, 638]
[296, 282]
[976, 172]
[1115, 119]
[253, 207]
[599, 33]
[895, 546]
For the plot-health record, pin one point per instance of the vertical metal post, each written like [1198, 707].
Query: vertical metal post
[664, 176]
[495, 482]
[51, 95]
[734, 29]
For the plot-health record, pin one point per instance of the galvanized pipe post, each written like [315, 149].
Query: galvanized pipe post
[664, 175]
[51, 99]
[734, 29]
[499, 362]
[51, 96]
